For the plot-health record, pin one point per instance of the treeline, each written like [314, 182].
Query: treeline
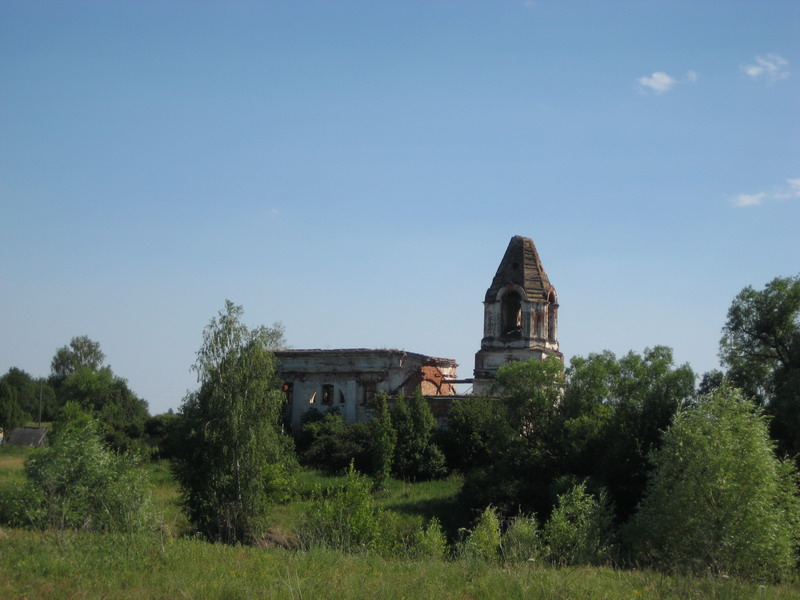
[78, 375]
[613, 460]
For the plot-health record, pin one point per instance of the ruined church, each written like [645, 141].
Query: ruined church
[520, 322]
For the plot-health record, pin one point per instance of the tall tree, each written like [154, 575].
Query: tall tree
[760, 346]
[384, 439]
[616, 411]
[234, 458]
[719, 500]
[416, 456]
[81, 352]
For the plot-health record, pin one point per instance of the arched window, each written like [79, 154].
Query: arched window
[552, 316]
[512, 315]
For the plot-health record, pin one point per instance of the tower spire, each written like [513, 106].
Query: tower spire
[520, 313]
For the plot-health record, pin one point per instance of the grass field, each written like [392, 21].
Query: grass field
[173, 564]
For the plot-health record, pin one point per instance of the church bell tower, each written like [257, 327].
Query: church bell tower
[520, 315]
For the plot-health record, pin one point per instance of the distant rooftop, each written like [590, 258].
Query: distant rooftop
[389, 352]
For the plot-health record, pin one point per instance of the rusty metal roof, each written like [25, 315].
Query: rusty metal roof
[522, 266]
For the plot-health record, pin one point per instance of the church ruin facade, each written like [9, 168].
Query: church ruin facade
[520, 323]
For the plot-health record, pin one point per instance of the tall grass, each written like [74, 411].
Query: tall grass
[68, 564]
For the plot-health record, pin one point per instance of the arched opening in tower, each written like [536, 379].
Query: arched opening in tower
[512, 315]
[552, 316]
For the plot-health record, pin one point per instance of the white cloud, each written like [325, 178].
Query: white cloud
[790, 190]
[771, 66]
[659, 82]
[692, 77]
[750, 199]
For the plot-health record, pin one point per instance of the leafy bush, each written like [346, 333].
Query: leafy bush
[79, 483]
[483, 542]
[522, 540]
[345, 518]
[326, 442]
[719, 501]
[579, 529]
[430, 541]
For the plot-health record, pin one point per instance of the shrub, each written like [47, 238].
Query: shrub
[579, 529]
[522, 540]
[326, 442]
[79, 483]
[718, 500]
[430, 541]
[483, 542]
[345, 518]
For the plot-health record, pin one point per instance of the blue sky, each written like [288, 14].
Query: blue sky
[355, 170]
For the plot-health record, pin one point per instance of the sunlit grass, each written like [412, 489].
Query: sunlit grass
[81, 565]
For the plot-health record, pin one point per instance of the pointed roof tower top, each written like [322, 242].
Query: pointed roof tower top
[522, 266]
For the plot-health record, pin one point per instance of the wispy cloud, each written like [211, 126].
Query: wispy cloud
[772, 67]
[791, 189]
[750, 199]
[659, 82]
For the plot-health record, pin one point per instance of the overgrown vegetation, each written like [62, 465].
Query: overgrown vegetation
[615, 461]
[79, 483]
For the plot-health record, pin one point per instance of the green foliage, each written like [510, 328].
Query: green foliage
[108, 397]
[234, 458]
[384, 439]
[345, 518]
[483, 542]
[719, 501]
[430, 542]
[11, 414]
[579, 531]
[326, 442]
[81, 352]
[78, 483]
[616, 411]
[75, 565]
[34, 396]
[760, 346]
[522, 540]
[416, 456]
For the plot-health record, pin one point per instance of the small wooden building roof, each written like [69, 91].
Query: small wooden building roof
[29, 436]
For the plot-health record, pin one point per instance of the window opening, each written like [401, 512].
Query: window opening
[512, 315]
[327, 394]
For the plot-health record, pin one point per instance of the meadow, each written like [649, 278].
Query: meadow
[172, 563]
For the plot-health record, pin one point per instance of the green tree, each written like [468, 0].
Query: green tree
[108, 397]
[11, 414]
[719, 500]
[617, 411]
[81, 352]
[35, 396]
[416, 456]
[509, 442]
[760, 346]
[234, 458]
[384, 439]
[77, 482]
